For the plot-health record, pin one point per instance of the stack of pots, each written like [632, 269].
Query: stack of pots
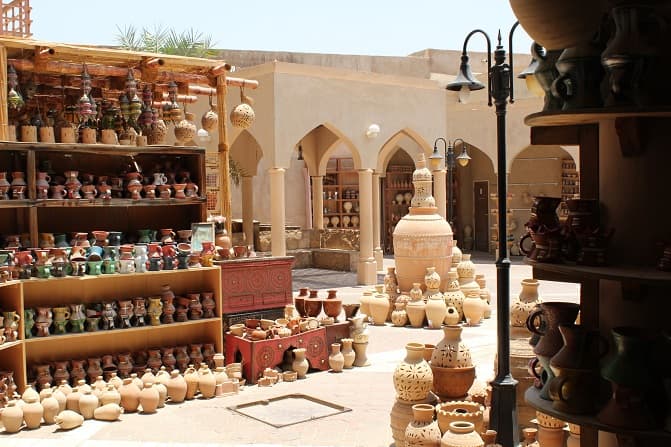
[413, 380]
[452, 367]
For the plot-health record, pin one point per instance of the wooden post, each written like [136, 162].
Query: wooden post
[225, 189]
[4, 114]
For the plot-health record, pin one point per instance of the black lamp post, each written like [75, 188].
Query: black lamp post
[450, 164]
[503, 417]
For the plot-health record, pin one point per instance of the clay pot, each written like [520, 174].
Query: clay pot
[51, 407]
[465, 411]
[527, 300]
[149, 398]
[313, 306]
[453, 294]
[452, 383]
[108, 412]
[72, 400]
[474, 308]
[551, 437]
[130, 395]
[336, 358]
[545, 322]
[176, 387]
[416, 309]
[347, 352]
[452, 316]
[191, 378]
[451, 352]
[461, 434]
[422, 238]
[555, 25]
[206, 382]
[401, 415]
[422, 431]
[399, 317]
[12, 417]
[32, 413]
[68, 419]
[300, 363]
[379, 308]
[435, 308]
[88, 402]
[413, 377]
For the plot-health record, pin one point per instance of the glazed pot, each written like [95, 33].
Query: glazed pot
[545, 322]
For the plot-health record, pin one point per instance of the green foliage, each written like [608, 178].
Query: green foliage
[160, 39]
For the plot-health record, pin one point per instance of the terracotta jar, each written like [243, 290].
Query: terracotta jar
[347, 352]
[336, 359]
[332, 305]
[453, 294]
[379, 307]
[416, 307]
[401, 415]
[299, 301]
[527, 300]
[149, 398]
[191, 378]
[68, 419]
[300, 363]
[451, 351]
[51, 407]
[422, 431]
[399, 317]
[435, 303]
[87, 404]
[413, 377]
[130, 395]
[176, 387]
[474, 308]
[365, 302]
[206, 382]
[422, 238]
[32, 412]
[461, 434]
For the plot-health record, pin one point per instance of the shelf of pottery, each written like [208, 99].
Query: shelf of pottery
[341, 194]
[398, 192]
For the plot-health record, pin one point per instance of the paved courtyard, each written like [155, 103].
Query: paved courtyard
[367, 391]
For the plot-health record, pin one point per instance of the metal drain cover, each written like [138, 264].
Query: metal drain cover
[289, 409]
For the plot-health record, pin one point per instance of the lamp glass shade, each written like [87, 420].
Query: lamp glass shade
[435, 159]
[463, 158]
[464, 94]
[465, 78]
[534, 87]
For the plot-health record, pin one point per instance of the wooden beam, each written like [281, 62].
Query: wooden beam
[4, 113]
[225, 189]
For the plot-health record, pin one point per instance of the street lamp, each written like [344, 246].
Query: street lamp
[462, 159]
[503, 416]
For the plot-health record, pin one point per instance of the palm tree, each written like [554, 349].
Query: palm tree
[160, 39]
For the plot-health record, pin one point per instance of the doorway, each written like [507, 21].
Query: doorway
[481, 220]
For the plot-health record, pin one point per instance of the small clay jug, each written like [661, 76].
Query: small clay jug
[336, 358]
[176, 387]
[130, 395]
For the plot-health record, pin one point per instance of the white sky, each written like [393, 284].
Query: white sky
[375, 27]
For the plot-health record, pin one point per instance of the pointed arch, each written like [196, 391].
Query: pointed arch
[247, 152]
[400, 140]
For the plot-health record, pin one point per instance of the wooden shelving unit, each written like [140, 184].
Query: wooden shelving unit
[341, 195]
[630, 285]
[398, 191]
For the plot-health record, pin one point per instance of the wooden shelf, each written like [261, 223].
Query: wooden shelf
[579, 273]
[10, 344]
[590, 116]
[58, 203]
[11, 203]
[532, 397]
[104, 149]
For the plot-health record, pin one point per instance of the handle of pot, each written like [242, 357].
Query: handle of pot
[563, 87]
[531, 319]
[556, 389]
[532, 367]
[521, 244]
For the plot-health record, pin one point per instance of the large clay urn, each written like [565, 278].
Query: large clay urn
[422, 238]
[559, 24]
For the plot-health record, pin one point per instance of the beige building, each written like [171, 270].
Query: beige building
[335, 137]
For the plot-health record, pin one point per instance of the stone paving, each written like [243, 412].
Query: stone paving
[367, 391]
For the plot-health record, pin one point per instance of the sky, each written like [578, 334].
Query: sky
[372, 27]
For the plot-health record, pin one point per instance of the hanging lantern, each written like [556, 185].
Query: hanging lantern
[124, 105]
[243, 115]
[14, 99]
[86, 81]
[131, 84]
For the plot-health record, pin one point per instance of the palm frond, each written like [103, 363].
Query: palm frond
[127, 38]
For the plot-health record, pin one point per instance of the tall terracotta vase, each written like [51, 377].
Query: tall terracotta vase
[422, 431]
[336, 358]
[413, 377]
[300, 363]
[422, 238]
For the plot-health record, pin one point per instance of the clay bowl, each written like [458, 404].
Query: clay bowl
[252, 323]
[452, 383]
[351, 309]
[266, 324]
[237, 329]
